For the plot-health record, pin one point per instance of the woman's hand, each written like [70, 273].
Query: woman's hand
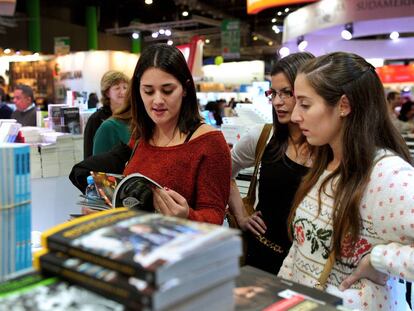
[170, 203]
[364, 270]
[253, 223]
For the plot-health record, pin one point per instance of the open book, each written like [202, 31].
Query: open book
[133, 191]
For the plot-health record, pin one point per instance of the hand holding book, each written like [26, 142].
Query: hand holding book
[170, 203]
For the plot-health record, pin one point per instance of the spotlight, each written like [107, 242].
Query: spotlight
[135, 35]
[167, 32]
[347, 32]
[7, 51]
[302, 43]
[255, 38]
[270, 43]
[286, 10]
[284, 51]
[161, 31]
[274, 20]
[170, 42]
[154, 35]
[184, 13]
[207, 41]
[279, 13]
[36, 54]
[148, 2]
[394, 35]
[276, 29]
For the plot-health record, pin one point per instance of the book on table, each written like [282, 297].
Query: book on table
[149, 246]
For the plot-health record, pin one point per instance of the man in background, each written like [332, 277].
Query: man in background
[25, 112]
[394, 101]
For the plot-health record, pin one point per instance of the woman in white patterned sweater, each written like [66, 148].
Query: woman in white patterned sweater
[356, 205]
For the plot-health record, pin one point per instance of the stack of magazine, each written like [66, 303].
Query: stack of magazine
[133, 191]
[145, 261]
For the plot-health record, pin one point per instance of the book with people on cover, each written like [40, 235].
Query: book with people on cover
[133, 292]
[133, 191]
[145, 245]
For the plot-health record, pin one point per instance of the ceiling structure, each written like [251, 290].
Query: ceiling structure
[123, 17]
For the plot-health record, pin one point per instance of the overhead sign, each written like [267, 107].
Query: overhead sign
[255, 6]
[396, 73]
[329, 13]
[230, 38]
[7, 7]
[62, 45]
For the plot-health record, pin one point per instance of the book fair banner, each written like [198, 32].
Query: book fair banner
[230, 39]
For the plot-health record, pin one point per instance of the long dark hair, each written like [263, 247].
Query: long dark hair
[278, 143]
[169, 59]
[366, 129]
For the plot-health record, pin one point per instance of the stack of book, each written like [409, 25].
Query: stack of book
[15, 209]
[9, 130]
[49, 159]
[35, 162]
[145, 261]
[78, 148]
[64, 145]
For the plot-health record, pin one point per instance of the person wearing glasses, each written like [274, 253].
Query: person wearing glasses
[286, 159]
[353, 215]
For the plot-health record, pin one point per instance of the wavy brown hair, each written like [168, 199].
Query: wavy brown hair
[365, 130]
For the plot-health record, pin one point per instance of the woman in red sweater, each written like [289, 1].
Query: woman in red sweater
[175, 148]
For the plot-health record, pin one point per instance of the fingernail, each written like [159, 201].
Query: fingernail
[166, 188]
[341, 288]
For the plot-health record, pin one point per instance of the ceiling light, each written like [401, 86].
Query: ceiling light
[302, 43]
[284, 51]
[18, 52]
[154, 35]
[148, 2]
[255, 38]
[286, 10]
[207, 41]
[36, 54]
[7, 51]
[270, 43]
[394, 35]
[184, 13]
[279, 13]
[167, 32]
[135, 35]
[274, 19]
[276, 29]
[170, 42]
[347, 33]
[161, 31]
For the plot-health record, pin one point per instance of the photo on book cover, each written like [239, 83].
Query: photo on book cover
[144, 240]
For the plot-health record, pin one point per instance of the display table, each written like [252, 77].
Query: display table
[53, 200]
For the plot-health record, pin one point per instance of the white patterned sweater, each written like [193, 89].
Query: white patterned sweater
[387, 213]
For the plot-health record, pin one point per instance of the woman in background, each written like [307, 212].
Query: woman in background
[352, 218]
[190, 159]
[114, 85]
[285, 160]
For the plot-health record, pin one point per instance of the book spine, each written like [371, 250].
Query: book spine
[106, 289]
[129, 270]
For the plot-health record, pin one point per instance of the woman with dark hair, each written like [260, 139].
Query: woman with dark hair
[285, 160]
[173, 147]
[352, 218]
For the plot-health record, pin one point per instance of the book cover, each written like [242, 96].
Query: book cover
[133, 292]
[132, 242]
[32, 291]
[70, 120]
[258, 290]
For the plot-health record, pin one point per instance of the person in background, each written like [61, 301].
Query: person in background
[25, 112]
[173, 146]
[92, 100]
[352, 217]
[394, 101]
[114, 85]
[114, 130]
[285, 160]
[407, 111]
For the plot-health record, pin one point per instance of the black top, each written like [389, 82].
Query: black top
[5, 111]
[278, 183]
[94, 122]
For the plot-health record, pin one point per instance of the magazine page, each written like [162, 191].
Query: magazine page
[106, 184]
[135, 192]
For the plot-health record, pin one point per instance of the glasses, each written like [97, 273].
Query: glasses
[282, 94]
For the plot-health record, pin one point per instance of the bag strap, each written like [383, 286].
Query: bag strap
[260, 147]
[133, 151]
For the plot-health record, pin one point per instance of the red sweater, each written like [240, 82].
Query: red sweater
[199, 170]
